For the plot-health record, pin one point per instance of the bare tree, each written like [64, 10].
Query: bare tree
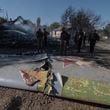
[67, 16]
[80, 19]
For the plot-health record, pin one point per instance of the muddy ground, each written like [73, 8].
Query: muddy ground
[13, 99]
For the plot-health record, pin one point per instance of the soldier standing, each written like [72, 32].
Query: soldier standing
[93, 38]
[39, 35]
[45, 34]
[78, 39]
[63, 39]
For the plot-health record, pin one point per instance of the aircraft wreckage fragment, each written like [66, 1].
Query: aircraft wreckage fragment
[39, 75]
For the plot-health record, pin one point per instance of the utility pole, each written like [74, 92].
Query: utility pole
[7, 15]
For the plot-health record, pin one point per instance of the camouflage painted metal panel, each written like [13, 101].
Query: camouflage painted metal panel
[87, 90]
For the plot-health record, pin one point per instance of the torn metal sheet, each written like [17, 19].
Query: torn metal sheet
[74, 81]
